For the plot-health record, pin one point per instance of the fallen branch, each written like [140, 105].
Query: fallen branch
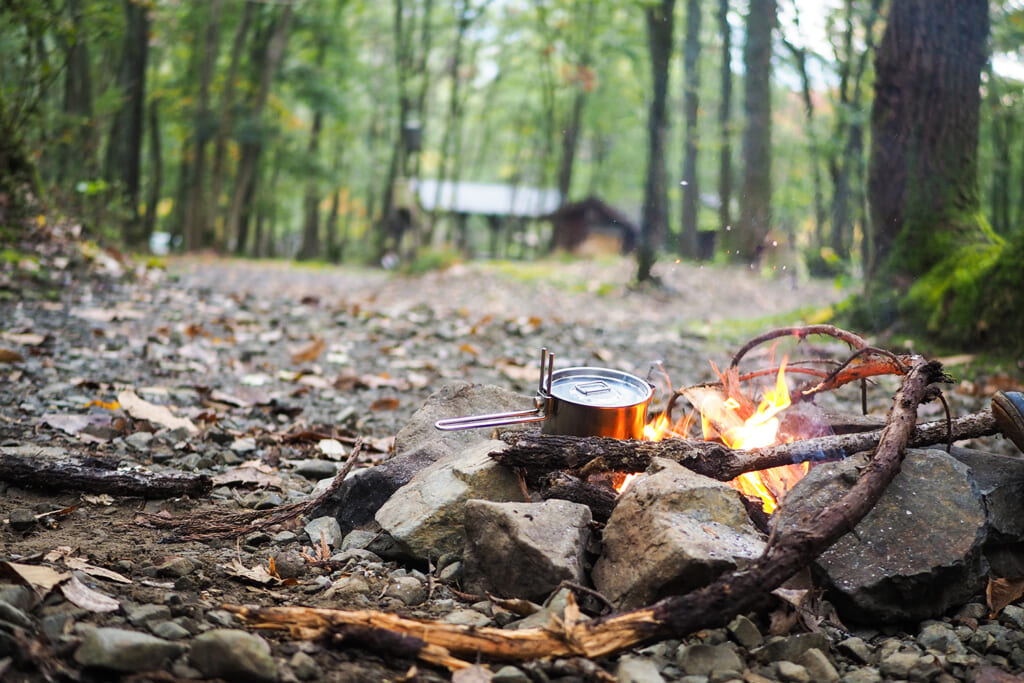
[95, 475]
[712, 606]
[549, 452]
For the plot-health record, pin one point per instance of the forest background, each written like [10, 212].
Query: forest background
[733, 131]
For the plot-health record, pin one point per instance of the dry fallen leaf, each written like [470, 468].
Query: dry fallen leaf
[23, 338]
[82, 596]
[310, 352]
[257, 574]
[8, 356]
[384, 404]
[332, 448]
[41, 579]
[142, 409]
[1001, 592]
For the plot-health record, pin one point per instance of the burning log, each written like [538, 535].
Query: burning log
[536, 452]
[734, 593]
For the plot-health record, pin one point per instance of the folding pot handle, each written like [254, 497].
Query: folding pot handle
[492, 420]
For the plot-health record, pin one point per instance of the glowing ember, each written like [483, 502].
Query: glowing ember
[626, 481]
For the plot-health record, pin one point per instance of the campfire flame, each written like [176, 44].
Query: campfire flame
[734, 420]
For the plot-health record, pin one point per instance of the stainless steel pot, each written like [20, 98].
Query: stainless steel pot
[581, 401]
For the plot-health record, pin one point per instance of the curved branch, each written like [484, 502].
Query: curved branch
[801, 333]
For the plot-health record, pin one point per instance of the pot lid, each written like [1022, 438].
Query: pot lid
[599, 387]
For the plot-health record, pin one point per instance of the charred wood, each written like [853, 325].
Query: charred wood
[550, 452]
[97, 476]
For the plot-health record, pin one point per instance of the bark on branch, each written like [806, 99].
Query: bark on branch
[732, 594]
[548, 452]
[96, 475]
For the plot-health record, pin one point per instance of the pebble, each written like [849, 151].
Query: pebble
[305, 667]
[316, 469]
[702, 660]
[745, 632]
[632, 669]
[143, 614]
[326, 528]
[792, 673]
[819, 666]
[169, 630]
[233, 655]
[408, 589]
[175, 567]
[22, 520]
[140, 441]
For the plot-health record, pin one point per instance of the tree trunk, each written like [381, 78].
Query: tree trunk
[310, 248]
[224, 118]
[654, 222]
[1001, 126]
[156, 165]
[707, 249]
[246, 175]
[77, 159]
[746, 240]
[691, 86]
[583, 84]
[197, 223]
[799, 55]
[923, 174]
[124, 147]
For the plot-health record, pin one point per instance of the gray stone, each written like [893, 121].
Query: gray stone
[1000, 481]
[349, 587]
[359, 538]
[819, 666]
[703, 660]
[168, 630]
[466, 617]
[426, 515]
[233, 655]
[941, 638]
[917, 554]
[408, 589]
[524, 550]
[221, 617]
[856, 648]
[790, 648]
[140, 441]
[122, 650]
[792, 672]
[898, 664]
[290, 564]
[143, 614]
[510, 674]
[245, 444]
[326, 528]
[316, 469]
[633, 669]
[745, 632]
[418, 445]
[1014, 615]
[865, 675]
[305, 667]
[21, 520]
[672, 531]
[175, 567]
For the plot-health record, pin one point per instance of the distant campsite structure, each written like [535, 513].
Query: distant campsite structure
[586, 227]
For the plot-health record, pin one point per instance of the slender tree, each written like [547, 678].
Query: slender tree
[123, 163]
[654, 222]
[691, 87]
[745, 240]
[724, 132]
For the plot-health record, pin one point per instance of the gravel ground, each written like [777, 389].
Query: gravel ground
[265, 359]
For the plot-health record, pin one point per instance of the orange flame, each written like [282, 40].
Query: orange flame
[738, 424]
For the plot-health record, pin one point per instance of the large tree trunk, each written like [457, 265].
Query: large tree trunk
[156, 167]
[124, 146]
[923, 173]
[691, 86]
[654, 223]
[77, 160]
[745, 240]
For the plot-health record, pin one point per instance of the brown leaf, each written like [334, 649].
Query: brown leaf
[470, 349]
[41, 579]
[258, 574]
[1001, 592]
[142, 409]
[310, 352]
[8, 356]
[384, 404]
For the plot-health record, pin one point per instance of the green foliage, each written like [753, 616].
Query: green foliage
[432, 259]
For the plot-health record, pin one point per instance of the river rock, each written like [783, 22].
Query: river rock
[233, 655]
[425, 517]
[673, 530]
[917, 553]
[524, 550]
[418, 445]
[123, 650]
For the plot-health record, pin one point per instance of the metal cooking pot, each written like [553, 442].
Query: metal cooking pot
[579, 401]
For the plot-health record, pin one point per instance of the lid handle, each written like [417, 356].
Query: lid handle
[597, 386]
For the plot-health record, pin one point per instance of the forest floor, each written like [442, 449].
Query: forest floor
[257, 352]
